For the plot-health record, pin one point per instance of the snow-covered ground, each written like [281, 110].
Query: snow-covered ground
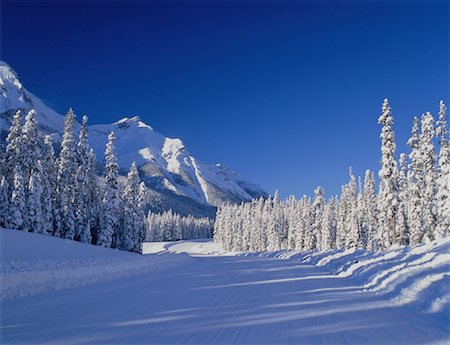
[192, 247]
[418, 276]
[33, 263]
[191, 292]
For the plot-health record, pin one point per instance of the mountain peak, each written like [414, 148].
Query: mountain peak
[7, 74]
[13, 97]
[134, 121]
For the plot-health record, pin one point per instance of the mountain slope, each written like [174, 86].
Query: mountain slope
[164, 163]
[13, 97]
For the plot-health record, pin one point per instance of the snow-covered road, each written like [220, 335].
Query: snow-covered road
[218, 300]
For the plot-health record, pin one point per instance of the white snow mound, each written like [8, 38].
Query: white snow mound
[33, 263]
[418, 276]
[199, 247]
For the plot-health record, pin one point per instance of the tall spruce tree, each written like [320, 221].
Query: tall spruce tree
[111, 201]
[14, 149]
[318, 210]
[402, 214]
[353, 234]
[370, 207]
[443, 180]
[2, 161]
[361, 213]
[130, 235]
[32, 174]
[50, 212]
[4, 202]
[82, 194]
[428, 161]
[342, 217]
[415, 183]
[327, 227]
[17, 204]
[32, 153]
[66, 182]
[94, 197]
[33, 221]
[388, 199]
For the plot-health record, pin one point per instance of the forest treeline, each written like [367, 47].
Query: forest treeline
[65, 196]
[411, 204]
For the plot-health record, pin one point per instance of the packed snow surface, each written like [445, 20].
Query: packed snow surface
[192, 247]
[191, 292]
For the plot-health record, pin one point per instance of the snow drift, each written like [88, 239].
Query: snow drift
[33, 263]
[418, 276]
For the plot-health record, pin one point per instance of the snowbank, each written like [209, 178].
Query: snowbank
[192, 247]
[33, 263]
[418, 276]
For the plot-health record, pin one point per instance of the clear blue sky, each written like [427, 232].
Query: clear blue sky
[287, 94]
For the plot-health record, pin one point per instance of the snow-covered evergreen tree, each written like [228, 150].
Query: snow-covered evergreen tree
[14, 148]
[415, 184]
[443, 180]
[327, 227]
[2, 161]
[66, 180]
[342, 217]
[32, 173]
[402, 214]
[318, 210]
[307, 221]
[82, 194]
[130, 235]
[4, 202]
[94, 198]
[292, 222]
[32, 153]
[352, 238]
[50, 211]
[17, 203]
[428, 161]
[272, 211]
[33, 221]
[246, 227]
[111, 201]
[370, 209]
[142, 197]
[388, 174]
[361, 213]
[305, 214]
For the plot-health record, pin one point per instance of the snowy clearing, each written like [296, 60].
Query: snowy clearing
[191, 247]
[399, 296]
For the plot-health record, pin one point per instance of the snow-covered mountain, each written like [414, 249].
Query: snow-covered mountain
[166, 166]
[14, 97]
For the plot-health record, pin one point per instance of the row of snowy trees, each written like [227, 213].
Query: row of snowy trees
[169, 226]
[64, 196]
[412, 204]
